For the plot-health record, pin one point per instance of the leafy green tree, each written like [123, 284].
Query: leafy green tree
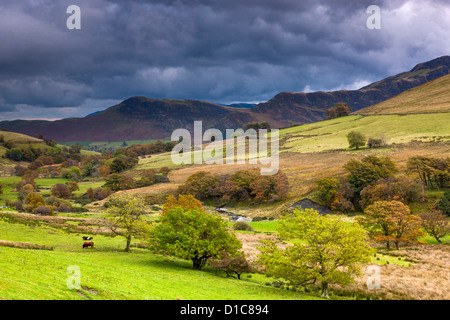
[326, 190]
[126, 217]
[193, 235]
[325, 249]
[118, 165]
[435, 224]
[116, 182]
[32, 201]
[73, 173]
[444, 203]
[368, 170]
[356, 139]
[15, 154]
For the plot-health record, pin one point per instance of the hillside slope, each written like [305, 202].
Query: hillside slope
[20, 140]
[289, 107]
[332, 134]
[136, 118]
[433, 96]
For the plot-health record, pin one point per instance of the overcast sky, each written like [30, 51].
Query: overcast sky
[221, 51]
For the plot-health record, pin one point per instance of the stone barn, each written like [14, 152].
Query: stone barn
[309, 204]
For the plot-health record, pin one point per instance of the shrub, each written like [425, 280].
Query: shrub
[233, 265]
[73, 186]
[64, 207]
[164, 171]
[375, 142]
[73, 173]
[44, 211]
[18, 205]
[32, 201]
[242, 226]
[61, 190]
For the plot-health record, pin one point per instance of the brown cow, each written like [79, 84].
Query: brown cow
[88, 244]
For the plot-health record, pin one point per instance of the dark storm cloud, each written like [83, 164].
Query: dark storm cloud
[213, 50]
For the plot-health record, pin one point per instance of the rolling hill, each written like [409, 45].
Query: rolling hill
[433, 96]
[136, 118]
[139, 118]
[19, 140]
[288, 107]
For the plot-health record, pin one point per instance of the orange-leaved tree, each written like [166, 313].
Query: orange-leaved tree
[186, 202]
[391, 221]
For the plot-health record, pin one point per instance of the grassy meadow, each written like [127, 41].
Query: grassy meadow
[430, 97]
[106, 272]
[307, 153]
[332, 134]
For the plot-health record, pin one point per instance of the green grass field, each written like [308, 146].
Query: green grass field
[332, 134]
[106, 272]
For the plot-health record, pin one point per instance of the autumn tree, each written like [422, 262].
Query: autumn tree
[200, 185]
[116, 182]
[340, 109]
[399, 188]
[368, 170]
[186, 202]
[433, 172]
[391, 221]
[242, 185]
[324, 249]
[61, 190]
[126, 217]
[266, 188]
[335, 193]
[435, 224]
[32, 201]
[193, 235]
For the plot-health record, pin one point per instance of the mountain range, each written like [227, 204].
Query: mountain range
[139, 118]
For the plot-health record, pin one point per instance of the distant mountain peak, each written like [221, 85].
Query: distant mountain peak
[139, 117]
[443, 61]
